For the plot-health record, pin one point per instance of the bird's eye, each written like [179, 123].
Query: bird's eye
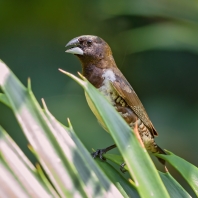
[89, 42]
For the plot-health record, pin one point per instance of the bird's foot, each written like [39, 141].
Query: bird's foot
[123, 170]
[99, 153]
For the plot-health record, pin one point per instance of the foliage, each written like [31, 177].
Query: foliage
[154, 43]
[66, 169]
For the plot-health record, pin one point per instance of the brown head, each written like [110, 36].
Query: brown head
[91, 50]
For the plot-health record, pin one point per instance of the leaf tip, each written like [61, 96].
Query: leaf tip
[29, 84]
[81, 76]
[69, 122]
[61, 70]
[64, 72]
[44, 104]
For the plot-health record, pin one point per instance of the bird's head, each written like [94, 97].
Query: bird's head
[89, 49]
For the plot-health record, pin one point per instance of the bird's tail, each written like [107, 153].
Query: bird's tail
[161, 151]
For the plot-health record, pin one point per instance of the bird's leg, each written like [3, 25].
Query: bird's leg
[122, 167]
[99, 152]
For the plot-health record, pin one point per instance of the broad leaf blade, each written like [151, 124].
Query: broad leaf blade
[52, 145]
[117, 178]
[96, 183]
[186, 169]
[173, 187]
[19, 170]
[137, 159]
[4, 100]
[42, 137]
[10, 186]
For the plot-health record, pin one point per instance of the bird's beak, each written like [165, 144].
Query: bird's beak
[74, 47]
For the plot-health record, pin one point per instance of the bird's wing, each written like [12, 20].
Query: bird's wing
[125, 91]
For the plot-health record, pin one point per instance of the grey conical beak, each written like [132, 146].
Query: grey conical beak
[74, 47]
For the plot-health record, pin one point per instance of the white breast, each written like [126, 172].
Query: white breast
[106, 89]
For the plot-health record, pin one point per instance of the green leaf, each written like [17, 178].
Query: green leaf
[186, 169]
[18, 176]
[117, 178]
[68, 170]
[172, 36]
[96, 183]
[137, 159]
[42, 137]
[171, 9]
[173, 187]
[118, 159]
[4, 100]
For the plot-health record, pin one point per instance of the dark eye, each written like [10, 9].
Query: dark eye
[89, 42]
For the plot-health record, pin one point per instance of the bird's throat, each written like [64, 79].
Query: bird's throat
[93, 69]
[93, 75]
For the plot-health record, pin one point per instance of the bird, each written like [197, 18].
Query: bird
[100, 69]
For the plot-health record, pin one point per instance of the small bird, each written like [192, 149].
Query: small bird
[100, 69]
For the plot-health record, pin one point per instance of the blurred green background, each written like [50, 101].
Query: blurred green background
[155, 44]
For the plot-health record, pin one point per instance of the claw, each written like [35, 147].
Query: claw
[99, 153]
[123, 170]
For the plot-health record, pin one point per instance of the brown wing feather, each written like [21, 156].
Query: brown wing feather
[125, 90]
